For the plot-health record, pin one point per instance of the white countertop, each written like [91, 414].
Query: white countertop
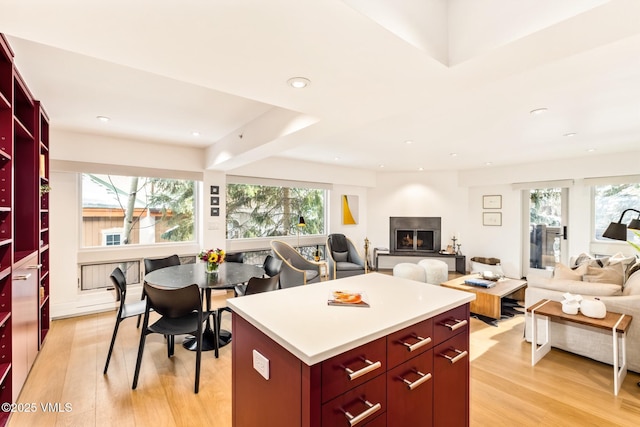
[300, 320]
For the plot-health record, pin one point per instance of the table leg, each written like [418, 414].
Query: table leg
[538, 352]
[619, 372]
[208, 334]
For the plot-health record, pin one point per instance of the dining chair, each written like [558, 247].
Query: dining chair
[153, 264]
[234, 257]
[181, 313]
[255, 285]
[125, 310]
[343, 257]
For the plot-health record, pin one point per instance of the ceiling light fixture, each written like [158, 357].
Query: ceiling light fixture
[591, 150]
[103, 118]
[420, 169]
[195, 133]
[570, 134]
[298, 82]
[488, 163]
[538, 111]
[408, 142]
[380, 166]
[453, 154]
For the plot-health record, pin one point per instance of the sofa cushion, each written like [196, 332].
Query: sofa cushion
[632, 285]
[575, 286]
[610, 274]
[631, 268]
[563, 272]
[340, 256]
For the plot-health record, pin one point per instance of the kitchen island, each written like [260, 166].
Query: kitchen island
[298, 361]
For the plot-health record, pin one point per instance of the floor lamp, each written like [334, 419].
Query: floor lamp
[301, 224]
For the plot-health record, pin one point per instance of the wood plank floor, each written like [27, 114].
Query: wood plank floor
[562, 390]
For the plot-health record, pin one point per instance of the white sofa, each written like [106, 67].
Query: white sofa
[582, 340]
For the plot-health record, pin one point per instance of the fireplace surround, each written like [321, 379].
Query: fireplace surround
[414, 235]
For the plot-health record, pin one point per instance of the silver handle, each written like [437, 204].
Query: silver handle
[417, 345]
[34, 267]
[461, 355]
[372, 409]
[22, 276]
[371, 366]
[459, 324]
[423, 378]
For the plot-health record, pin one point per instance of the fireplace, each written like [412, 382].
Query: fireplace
[414, 235]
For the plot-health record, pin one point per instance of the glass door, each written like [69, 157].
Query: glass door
[547, 228]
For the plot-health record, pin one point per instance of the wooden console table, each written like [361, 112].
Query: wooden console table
[616, 323]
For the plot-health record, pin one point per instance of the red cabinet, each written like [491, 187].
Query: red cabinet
[416, 376]
[24, 315]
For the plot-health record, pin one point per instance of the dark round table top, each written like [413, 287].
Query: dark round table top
[179, 276]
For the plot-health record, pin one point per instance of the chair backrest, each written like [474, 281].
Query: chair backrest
[258, 285]
[338, 247]
[120, 282]
[234, 257]
[272, 265]
[173, 303]
[158, 263]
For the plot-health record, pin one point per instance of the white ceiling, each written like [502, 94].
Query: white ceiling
[453, 76]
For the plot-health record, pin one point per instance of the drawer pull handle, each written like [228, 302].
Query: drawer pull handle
[460, 355]
[372, 409]
[371, 366]
[34, 266]
[417, 345]
[457, 325]
[22, 276]
[423, 378]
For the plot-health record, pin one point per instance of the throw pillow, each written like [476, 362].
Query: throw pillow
[604, 275]
[631, 268]
[563, 272]
[341, 256]
[580, 259]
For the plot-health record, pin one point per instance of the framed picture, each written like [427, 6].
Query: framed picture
[492, 202]
[215, 189]
[215, 211]
[215, 200]
[491, 218]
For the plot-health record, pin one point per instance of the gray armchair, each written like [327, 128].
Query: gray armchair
[296, 270]
[343, 258]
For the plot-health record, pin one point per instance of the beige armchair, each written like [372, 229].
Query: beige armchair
[343, 258]
[296, 270]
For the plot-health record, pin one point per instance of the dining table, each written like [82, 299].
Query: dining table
[229, 275]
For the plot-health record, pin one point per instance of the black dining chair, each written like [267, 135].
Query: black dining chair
[181, 313]
[153, 264]
[272, 266]
[125, 310]
[255, 285]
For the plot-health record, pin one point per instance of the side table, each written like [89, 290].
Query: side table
[616, 323]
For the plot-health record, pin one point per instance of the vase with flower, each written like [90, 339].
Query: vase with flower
[213, 258]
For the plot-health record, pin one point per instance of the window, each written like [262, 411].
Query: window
[256, 211]
[609, 202]
[128, 210]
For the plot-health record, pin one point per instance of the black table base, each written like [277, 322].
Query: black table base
[208, 340]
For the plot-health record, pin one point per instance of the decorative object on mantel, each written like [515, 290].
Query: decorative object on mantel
[44, 189]
[492, 218]
[492, 202]
[213, 258]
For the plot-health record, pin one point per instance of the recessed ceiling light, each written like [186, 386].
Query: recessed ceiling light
[408, 142]
[336, 158]
[103, 118]
[298, 82]
[488, 163]
[453, 154]
[380, 166]
[591, 150]
[570, 134]
[421, 169]
[195, 133]
[538, 111]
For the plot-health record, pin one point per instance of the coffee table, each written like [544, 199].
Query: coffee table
[488, 301]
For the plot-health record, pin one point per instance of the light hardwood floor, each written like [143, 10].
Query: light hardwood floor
[562, 390]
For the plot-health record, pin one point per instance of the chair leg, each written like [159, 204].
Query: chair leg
[113, 340]
[170, 345]
[216, 332]
[143, 336]
[198, 358]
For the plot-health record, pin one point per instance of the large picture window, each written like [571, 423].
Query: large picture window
[256, 211]
[129, 210]
[610, 201]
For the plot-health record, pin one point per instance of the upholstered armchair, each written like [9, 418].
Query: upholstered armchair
[296, 270]
[343, 258]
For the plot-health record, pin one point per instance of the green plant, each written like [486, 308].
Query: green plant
[635, 245]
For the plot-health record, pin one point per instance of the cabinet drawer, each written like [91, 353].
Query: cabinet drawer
[352, 368]
[409, 342]
[360, 405]
[410, 392]
[450, 323]
[451, 382]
